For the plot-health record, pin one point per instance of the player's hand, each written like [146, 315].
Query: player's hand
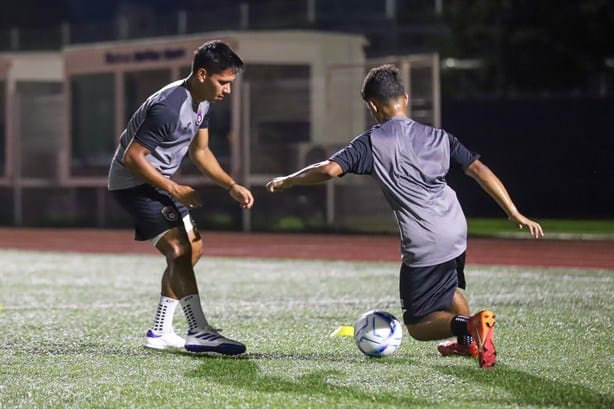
[521, 221]
[242, 195]
[186, 195]
[277, 184]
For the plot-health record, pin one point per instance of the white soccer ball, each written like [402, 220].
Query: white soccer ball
[378, 333]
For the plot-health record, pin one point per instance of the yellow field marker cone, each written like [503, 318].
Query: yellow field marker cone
[343, 331]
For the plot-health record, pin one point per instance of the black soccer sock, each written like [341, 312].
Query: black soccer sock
[459, 328]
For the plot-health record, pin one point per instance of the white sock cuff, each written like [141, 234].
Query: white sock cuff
[169, 302]
[163, 322]
[168, 299]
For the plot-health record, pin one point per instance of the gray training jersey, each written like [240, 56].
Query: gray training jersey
[410, 161]
[165, 124]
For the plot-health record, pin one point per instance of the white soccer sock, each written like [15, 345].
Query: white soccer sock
[163, 322]
[193, 311]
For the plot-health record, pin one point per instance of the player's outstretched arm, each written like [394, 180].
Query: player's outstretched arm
[495, 188]
[312, 174]
[207, 163]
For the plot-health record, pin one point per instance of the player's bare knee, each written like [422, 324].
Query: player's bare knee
[178, 250]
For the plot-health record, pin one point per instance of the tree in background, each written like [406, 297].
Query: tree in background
[545, 46]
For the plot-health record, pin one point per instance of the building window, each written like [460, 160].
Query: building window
[280, 110]
[92, 124]
[139, 85]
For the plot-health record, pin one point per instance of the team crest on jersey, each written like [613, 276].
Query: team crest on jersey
[170, 213]
[199, 117]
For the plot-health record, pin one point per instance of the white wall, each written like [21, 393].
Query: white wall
[317, 49]
[33, 66]
[26, 67]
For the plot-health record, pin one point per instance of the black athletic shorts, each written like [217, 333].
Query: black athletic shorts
[154, 211]
[424, 290]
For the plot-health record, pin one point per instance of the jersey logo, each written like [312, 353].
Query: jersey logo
[169, 213]
[199, 117]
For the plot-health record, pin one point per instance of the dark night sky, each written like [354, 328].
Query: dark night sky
[44, 13]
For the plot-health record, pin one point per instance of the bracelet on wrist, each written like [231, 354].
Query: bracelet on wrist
[231, 185]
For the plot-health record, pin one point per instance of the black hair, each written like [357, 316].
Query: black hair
[215, 57]
[382, 83]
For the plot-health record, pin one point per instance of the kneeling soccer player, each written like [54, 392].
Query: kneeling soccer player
[410, 161]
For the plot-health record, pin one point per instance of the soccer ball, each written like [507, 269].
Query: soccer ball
[378, 333]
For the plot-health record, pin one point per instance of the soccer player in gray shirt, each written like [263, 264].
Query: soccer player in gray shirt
[410, 161]
[170, 124]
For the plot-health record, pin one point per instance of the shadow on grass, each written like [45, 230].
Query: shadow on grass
[525, 389]
[244, 373]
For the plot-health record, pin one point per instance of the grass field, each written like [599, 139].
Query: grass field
[489, 227]
[72, 327]
[565, 228]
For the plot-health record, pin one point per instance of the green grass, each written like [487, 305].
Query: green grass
[552, 228]
[72, 327]
[489, 227]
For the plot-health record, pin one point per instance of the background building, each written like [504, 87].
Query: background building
[528, 86]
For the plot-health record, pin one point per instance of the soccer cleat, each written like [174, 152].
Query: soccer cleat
[481, 326]
[168, 340]
[209, 340]
[449, 348]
